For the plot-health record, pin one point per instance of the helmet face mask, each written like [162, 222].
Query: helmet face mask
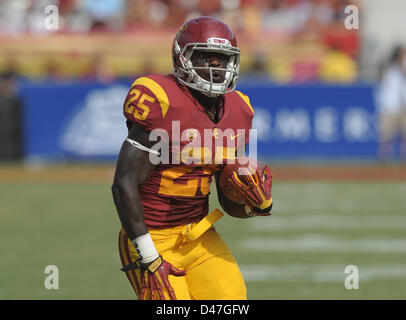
[221, 42]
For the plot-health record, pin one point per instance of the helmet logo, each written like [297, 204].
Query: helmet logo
[219, 41]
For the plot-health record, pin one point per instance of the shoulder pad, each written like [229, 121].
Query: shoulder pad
[246, 99]
[146, 103]
[157, 90]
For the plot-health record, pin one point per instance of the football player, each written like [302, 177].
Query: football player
[168, 246]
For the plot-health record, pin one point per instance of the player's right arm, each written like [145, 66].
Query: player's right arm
[132, 171]
[143, 109]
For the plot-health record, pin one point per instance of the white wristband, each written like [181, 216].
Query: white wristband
[145, 248]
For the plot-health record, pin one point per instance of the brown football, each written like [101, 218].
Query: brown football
[226, 186]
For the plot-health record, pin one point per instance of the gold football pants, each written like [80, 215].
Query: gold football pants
[211, 271]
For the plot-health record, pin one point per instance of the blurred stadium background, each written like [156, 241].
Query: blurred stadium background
[313, 84]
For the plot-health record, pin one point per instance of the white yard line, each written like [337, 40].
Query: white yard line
[327, 221]
[324, 243]
[320, 273]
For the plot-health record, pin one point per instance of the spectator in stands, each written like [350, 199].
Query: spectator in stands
[337, 66]
[285, 25]
[391, 104]
[99, 70]
[106, 14]
[257, 69]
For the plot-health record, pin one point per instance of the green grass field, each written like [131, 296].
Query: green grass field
[300, 252]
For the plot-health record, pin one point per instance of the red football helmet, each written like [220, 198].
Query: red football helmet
[205, 34]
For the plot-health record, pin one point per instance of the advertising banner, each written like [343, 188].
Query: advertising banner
[85, 121]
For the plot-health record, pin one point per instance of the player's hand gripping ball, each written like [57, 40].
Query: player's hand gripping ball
[248, 182]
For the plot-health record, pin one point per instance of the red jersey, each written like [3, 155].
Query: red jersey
[194, 147]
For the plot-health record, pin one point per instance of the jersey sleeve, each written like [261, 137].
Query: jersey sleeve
[146, 104]
[246, 103]
[248, 111]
